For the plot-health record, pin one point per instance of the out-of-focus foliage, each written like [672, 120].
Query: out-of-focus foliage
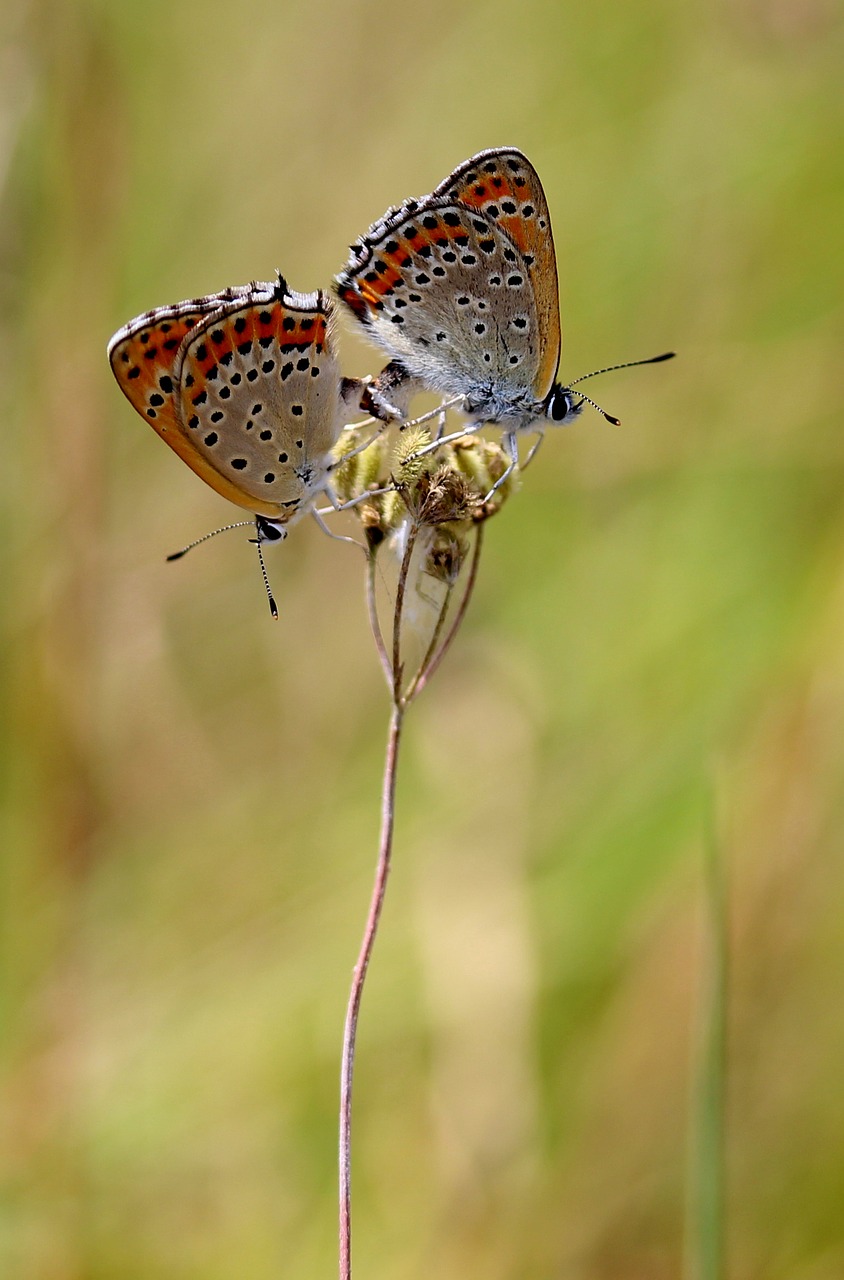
[190, 793]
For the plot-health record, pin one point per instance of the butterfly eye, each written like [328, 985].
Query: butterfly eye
[270, 530]
[559, 404]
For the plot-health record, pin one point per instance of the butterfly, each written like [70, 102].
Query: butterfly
[460, 288]
[245, 387]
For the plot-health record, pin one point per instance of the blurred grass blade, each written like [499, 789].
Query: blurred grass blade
[706, 1214]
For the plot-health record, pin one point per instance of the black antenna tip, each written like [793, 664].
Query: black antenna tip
[615, 421]
[177, 555]
[669, 355]
[273, 609]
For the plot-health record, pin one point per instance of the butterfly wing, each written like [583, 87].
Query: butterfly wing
[503, 185]
[259, 396]
[444, 290]
[154, 354]
[143, 356]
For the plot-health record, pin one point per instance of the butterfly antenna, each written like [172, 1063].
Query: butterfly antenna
[609, 417]
[273, 609]
[239, 524]
[628, 364]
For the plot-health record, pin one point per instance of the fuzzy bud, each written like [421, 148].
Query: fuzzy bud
[483, 463]
[408, 465]
[364, 471]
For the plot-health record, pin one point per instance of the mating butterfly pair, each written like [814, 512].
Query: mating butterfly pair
[460, 289]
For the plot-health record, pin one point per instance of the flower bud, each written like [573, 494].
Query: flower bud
[365, 470]
[483, 463]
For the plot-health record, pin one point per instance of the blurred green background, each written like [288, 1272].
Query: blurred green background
[190, 793]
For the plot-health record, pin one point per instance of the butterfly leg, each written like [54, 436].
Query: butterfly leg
[376, 403]
[360, 448]
[511, 447]
[534, 449]
[440, 414]
[337, 505]
[392, 392]
[338, 537]
[362, 395]
[352, 502]
[435, 444]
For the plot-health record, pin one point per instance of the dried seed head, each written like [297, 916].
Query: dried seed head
[444, 487]
[446, 555]
[440, 497]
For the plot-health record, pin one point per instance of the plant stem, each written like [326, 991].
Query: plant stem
[393, 672]
[388, 797]
[374, 623]
[426, 673]
[411, 690]
[397, 615]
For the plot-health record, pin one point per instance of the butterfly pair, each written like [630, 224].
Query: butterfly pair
[460, 289]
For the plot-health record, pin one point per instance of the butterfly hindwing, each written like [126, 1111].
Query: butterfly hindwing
[143, 356]
[258, 344]
[259, 395]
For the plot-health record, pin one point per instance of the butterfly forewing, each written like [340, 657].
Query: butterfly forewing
[444, 290]
[259, 395]
[503, 186]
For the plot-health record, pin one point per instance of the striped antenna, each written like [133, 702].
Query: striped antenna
[240, 524]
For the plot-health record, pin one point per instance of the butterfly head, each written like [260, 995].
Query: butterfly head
[560, 407]
[269, 530]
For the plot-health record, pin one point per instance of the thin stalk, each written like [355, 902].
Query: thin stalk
[388, 799]
[393, 672]
[412, 534]
[374, 623]
[426, 674]
[412, 688]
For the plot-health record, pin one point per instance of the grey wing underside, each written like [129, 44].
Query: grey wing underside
[460, 317]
